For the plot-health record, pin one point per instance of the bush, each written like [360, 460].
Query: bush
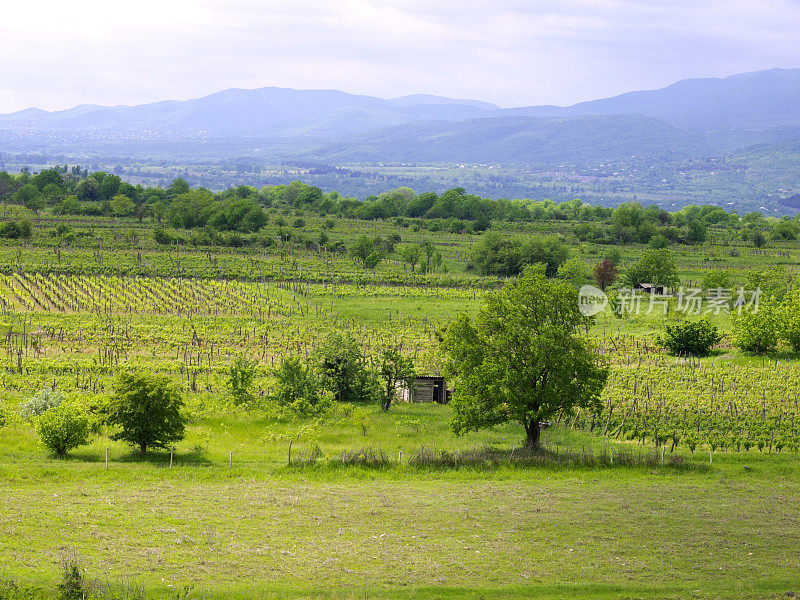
[790, 320]
[296, 388]
[73, 585]
[695, 338]
[240, 379]
[162, 237]
[45, 399]
[343, 370]
[63, 428]
[497, 254]
[717, 280]
[756, 331]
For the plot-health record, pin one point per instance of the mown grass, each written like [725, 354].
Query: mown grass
[507, 530]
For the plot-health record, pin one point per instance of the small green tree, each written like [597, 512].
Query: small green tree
[297, 388]
[393, 368]
[523, 358]
[756, 331]
[696, 232]
[410, 254]
[366, 253]
[122, 206]
[241, 374]
[148, 409]
[695, 338]
[658, 241]
[790, 319]
[574, 271]
[63, 428]
[716, 280]
[343, 370]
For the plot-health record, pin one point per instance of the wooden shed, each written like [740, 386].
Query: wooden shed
[426, 388]
[650, 288]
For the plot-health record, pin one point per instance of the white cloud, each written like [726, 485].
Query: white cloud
[57, 54]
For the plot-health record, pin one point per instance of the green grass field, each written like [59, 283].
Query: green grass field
[260, 528]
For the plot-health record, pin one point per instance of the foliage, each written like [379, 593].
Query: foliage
[574, 271]
[696, 232]
[122, 206]
[343, 370]
[717, 280]
[394, 367]
[297, 388]
[655, 266]
[757, 331]
[605, 273]
[240, 379]
[690, 337]
[658, 241]
[497, 254]
[410, 254]
[63, 428]
[366, 253]
[789, 319]
[45, 399]
[14, 230]
[73, 585]
[148, 409]
[523, 358]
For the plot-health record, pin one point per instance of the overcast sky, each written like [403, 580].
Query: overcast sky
[58, 54]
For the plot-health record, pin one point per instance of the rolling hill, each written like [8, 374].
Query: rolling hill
[686, 120]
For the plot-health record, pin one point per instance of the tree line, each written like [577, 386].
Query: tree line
[74, 191]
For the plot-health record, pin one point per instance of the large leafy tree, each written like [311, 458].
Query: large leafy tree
[655, 266]
[148, 410]
[523, 358]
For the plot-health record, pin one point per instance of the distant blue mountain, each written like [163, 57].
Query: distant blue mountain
[685, 119]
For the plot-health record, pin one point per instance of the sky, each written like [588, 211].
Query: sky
[55, 55]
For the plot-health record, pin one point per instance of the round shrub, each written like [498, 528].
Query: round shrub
[690, 337]
[756, 331]
[63, 428]
[45, 399]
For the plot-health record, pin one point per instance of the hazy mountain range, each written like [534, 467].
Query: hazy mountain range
[689, 119]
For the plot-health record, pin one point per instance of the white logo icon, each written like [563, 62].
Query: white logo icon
[591, 300]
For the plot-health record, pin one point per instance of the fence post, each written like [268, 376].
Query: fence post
[230, 459]
[612, 458]
[399, 457]
[711, 457]
[662, 456]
